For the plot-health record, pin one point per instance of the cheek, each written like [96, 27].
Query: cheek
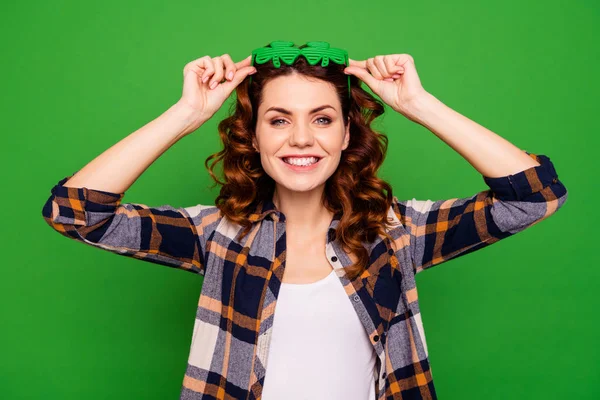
[269, 145]
[332, 143]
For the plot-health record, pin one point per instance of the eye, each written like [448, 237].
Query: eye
[275, 121]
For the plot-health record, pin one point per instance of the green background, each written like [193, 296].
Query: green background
[517, 320]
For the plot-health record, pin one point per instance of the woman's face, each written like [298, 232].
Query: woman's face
[297, 120]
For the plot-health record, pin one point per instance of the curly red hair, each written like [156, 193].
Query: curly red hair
[354, 190]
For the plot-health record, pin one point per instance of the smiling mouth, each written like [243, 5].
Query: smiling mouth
[301, 162]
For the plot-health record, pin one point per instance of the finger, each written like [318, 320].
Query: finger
[191, 67]
[238, 77]
[209, 68]
[356, 63]
[391, 65]
[229, 66]
[363, 75]
[373, 69]
[381, 66]
[218, 76]
[244, 63]
[198, 66]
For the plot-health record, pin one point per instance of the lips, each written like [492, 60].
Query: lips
[310, 157]
[301, 168]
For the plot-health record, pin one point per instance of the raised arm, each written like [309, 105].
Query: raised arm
[524, 187]
[86, 206]
[446, 229]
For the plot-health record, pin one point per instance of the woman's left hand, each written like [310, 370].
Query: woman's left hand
[393, 78]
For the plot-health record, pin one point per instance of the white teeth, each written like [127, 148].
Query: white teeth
[304, 161]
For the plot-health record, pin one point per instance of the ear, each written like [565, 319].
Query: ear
[346, 137]
[255, 144]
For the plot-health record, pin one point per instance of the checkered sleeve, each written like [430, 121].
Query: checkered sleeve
[163, 235]
[445, 229]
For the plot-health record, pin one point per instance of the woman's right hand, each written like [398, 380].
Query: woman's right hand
[202, 87]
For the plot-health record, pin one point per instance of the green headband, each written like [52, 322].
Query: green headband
[314, 52]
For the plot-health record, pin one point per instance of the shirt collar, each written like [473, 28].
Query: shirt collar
[264, 209]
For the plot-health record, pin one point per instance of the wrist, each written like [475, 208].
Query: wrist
[420, 108]
[190, 118]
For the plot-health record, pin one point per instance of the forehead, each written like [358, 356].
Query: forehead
[298, 93]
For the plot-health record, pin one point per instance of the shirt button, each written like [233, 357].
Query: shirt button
[391, 252]
[334, 258]
[376, 338]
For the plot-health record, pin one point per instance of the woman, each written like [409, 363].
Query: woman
[300, 194]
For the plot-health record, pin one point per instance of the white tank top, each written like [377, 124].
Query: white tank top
[319, 349]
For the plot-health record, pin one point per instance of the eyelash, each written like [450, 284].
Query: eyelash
[280, 119]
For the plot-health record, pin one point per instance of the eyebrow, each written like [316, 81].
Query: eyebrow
[288, 112]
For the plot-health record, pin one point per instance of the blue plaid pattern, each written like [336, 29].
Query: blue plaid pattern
[242, 278]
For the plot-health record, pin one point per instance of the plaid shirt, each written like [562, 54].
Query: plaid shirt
[242, 278]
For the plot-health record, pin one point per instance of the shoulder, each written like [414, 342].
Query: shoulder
[405, 210]
[204, 217]
[210, 222]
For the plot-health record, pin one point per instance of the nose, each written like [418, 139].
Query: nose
[301, 135]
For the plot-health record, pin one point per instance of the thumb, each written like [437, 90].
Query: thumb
[238, 77]
[363, 75]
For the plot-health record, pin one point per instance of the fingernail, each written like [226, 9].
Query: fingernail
[213, 85]
[205, 79]
[230, 75]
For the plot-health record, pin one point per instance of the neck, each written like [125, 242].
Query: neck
[304, 211]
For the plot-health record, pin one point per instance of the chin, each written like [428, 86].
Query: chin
[298, 182]
[301, 186]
